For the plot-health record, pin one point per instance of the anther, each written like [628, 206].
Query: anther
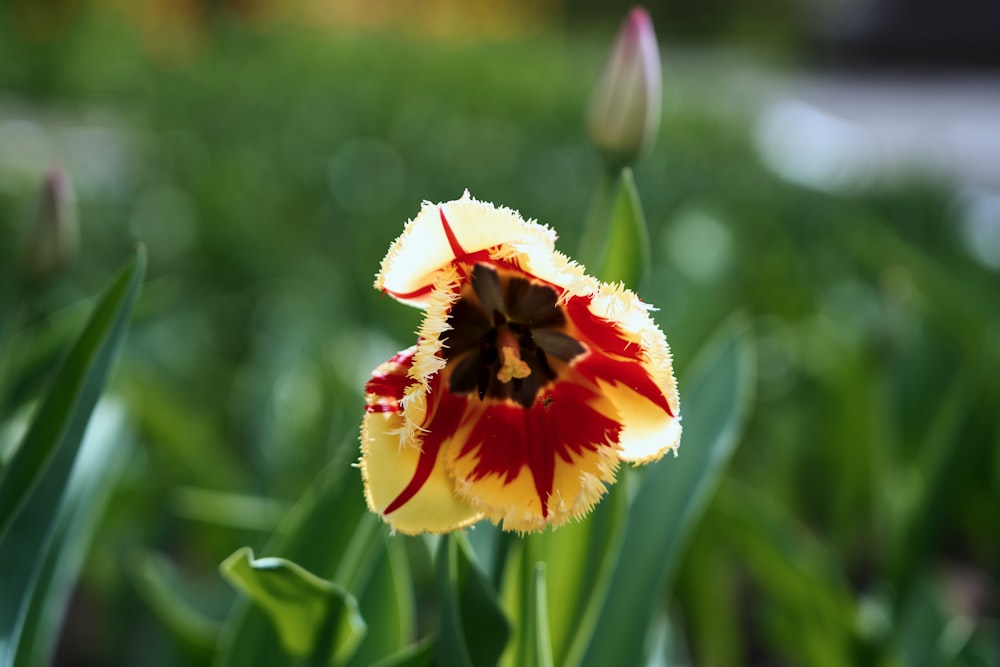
[511, 364]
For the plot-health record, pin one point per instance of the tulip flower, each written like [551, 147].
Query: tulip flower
[529, 383]
[624, 113]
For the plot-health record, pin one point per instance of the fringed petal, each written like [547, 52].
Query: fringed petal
[537, 466]
[631, 362]
[465, 231]
[406, 484]
[648, 432]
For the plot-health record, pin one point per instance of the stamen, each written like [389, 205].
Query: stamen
[493, 354]
[511, 364]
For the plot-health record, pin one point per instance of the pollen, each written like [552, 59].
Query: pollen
[511, 364]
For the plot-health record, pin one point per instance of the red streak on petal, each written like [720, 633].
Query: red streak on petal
[463, 259]
[403, 296]
[601, 332]
[382, 407]
[390, 380]
[443, 425]
[613, 358]
[425, 465]
[456, 248]
[508, 438]
[483, 256]
[630, 373]
[387, 386]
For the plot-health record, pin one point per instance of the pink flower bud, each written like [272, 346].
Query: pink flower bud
[52, 241]
[624, 113]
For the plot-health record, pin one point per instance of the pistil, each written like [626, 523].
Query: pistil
[511, 364]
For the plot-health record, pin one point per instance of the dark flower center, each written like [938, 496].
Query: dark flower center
[505, 329]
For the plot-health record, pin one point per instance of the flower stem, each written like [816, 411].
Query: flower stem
[596, 229]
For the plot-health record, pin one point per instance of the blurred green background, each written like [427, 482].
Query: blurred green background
[267, 157]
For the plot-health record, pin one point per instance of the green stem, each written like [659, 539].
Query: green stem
[542, 643]
[360, 553]
[502, 550]
[593, 243]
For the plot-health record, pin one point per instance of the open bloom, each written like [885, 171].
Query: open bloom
[528, 384]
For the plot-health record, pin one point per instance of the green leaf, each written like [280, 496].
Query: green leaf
[490, 546]
[928, 632]
[231, 510]
[53, 488]
[984, 646]
[420, 654]
[710, 579]
[329, 532]
[474, 629]
[580, 558]
[185, 435]
[937, 464]
[387, 599]
[816, 617]
[672, 496]
[156, 580]
[34, 351]
[314, 617]
[101, 460]
[627, 256]
[63, 415]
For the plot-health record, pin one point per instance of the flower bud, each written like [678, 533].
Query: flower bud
[54, 235]
[624, 113]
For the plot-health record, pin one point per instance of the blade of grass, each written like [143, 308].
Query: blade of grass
[34, 526]
[62, 417]
[816, 617]
[100, 462]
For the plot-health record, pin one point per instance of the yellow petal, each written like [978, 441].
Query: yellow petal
[387, 469]
[508, 460]
[515, 503]
[647, 431]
